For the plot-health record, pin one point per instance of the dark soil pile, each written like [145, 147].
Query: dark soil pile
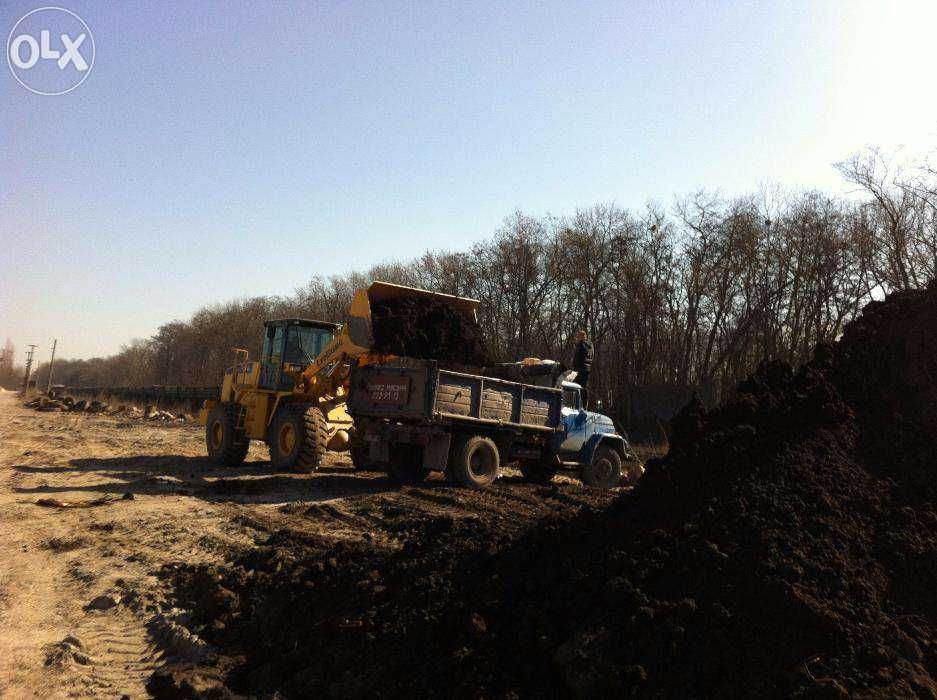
[427, 329]
[786, 546]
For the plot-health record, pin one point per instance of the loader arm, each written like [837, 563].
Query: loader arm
[328, 371]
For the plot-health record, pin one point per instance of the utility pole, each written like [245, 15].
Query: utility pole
[51, 366]
[29, 366]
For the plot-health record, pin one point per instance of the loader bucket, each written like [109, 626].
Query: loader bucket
[384, 294]
[384, 291]
[360, 311]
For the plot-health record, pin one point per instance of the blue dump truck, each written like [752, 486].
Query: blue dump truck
[413, 417]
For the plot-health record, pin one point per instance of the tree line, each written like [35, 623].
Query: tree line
[11, 374]
[676, 299]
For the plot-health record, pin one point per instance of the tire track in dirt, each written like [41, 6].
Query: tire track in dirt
[123, 654]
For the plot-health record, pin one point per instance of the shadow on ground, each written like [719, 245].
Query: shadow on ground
[251, 482]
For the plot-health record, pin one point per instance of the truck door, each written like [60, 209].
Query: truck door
[574, 418]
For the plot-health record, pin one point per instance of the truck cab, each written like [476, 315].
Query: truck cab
[584, 434]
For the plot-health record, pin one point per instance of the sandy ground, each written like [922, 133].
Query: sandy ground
[169, 506]
[55, 561]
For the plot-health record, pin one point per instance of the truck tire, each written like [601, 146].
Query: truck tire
[406, 464]
[226, 446]
[536, 472]
[297, 438]
[476, 463]
[605, 470]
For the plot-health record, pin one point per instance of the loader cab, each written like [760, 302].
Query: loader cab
[290, 345]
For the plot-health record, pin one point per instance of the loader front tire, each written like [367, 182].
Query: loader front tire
[227, 447]
[298, 438]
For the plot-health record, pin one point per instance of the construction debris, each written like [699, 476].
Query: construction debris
[164, 416]
[68, 404]
[51, 403]
[130, 411]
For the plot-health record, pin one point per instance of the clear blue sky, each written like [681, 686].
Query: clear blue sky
[228, 149]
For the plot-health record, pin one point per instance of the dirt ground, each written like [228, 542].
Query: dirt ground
[84, 610]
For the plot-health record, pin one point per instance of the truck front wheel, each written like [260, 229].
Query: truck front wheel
[605, 470]
[477, 462]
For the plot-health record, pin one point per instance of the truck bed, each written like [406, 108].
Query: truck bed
[417, 390]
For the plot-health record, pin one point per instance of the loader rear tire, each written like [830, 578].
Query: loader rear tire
[227, 447]
[476, 463]
[605, 470]
[298, 438]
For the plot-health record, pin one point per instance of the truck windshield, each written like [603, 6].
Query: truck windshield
[303, 344]
[570, 398]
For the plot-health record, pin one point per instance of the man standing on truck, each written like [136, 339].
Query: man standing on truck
[582, 364]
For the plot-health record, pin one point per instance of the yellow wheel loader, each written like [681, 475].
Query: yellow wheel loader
[293, 396]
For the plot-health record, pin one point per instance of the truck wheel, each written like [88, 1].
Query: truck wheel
[536, 472]
[605, 470]
[297, 438]
[406, 464]
[226, 447]
[477, 462]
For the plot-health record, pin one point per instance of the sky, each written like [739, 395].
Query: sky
[220, 150]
